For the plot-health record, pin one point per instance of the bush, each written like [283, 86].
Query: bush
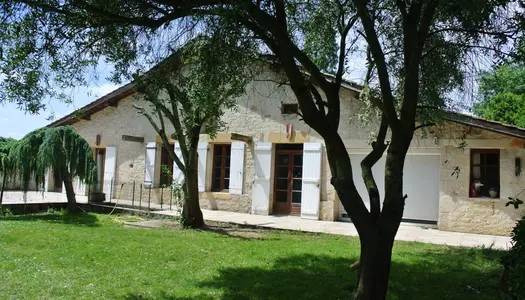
[514, 264]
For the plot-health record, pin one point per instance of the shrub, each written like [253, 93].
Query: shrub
[514, 264]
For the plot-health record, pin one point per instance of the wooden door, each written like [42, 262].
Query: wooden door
[288, 181]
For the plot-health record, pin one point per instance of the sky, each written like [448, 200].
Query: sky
[15, 123]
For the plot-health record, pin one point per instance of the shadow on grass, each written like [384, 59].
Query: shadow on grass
[243, 232]
[448, 274]
[80, 219]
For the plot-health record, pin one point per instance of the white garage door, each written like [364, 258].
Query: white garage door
[421, 184]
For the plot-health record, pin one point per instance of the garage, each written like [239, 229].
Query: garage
[421, 184]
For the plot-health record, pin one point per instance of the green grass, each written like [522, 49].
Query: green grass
[57, 256]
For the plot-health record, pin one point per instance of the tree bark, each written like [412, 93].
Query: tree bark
[4, 182]
[376, 256]
[191, 211]
[70, 193]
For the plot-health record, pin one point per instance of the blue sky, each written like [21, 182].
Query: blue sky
[15, 123]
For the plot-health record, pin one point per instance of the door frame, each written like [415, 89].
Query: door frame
[101, 180]
[293, 208]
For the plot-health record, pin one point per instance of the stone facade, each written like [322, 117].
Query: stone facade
[259, 116]
[458, 211]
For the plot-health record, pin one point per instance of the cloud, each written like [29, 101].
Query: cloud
[5, 120]
[102, 90]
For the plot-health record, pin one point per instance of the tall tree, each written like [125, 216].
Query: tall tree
[418, 51]
[5, 147]
[191, 90]
[59, 149]
[502, 95]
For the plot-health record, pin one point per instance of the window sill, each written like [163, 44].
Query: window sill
[216, 195]
[485, 198]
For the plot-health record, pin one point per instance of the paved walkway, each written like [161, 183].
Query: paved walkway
[407, 232]
[410, 233]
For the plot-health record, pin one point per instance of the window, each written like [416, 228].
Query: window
[288, 109]
[484, 173]
[166, 167]
[221, 167]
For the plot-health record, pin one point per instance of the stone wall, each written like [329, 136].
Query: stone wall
[459, 212]
[259, 116]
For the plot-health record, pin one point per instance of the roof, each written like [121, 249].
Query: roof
[490, 125]
[114, 97]
[85, 112]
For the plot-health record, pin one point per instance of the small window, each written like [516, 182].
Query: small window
[484, 173]
[221, 167]
[166, 167]
[288, 109]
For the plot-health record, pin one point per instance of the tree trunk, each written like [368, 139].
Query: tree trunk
[191, 210]
[4, 182]
[377, 244]
[374, 273]
[70, 194]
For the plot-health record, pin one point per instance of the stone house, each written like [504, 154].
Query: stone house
[282, 168]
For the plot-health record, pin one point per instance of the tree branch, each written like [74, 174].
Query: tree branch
[379, 59]
[424, 125]
[378, 148]
[162, 134]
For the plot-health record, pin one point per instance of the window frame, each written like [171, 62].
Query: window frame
[289, 108]
[222, 178]
[483, 173]
[164, 154]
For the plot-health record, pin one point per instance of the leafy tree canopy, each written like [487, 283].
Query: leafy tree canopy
[5, 147]
[502, 95]
[418, 52]
[60, 149]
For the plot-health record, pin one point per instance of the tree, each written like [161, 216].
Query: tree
[502, 95]
[418, 52]
[191, 89]
[5, 146]
[59, 149]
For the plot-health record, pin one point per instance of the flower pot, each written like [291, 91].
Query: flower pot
[493, 193]
[97, 197]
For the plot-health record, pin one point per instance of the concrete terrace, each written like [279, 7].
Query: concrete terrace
[407, 232]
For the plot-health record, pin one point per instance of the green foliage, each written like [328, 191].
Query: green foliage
[206, 76]
[315, 25]
[5, 147]
[5, 212]
[502, 95]
[514, 263]
[60, 149]
[515, 202]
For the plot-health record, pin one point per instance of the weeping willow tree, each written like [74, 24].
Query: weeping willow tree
[5, 146]
[59, 149]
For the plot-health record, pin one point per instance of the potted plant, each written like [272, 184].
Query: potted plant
[493, 192]
[97, 197]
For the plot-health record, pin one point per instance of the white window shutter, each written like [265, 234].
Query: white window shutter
[110, 166]
[261, 184]
[202, 151]
[311, 190]
[237, 168]
[178, 176]
[149, 164]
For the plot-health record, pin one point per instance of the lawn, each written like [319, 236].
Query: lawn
[56, 256]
